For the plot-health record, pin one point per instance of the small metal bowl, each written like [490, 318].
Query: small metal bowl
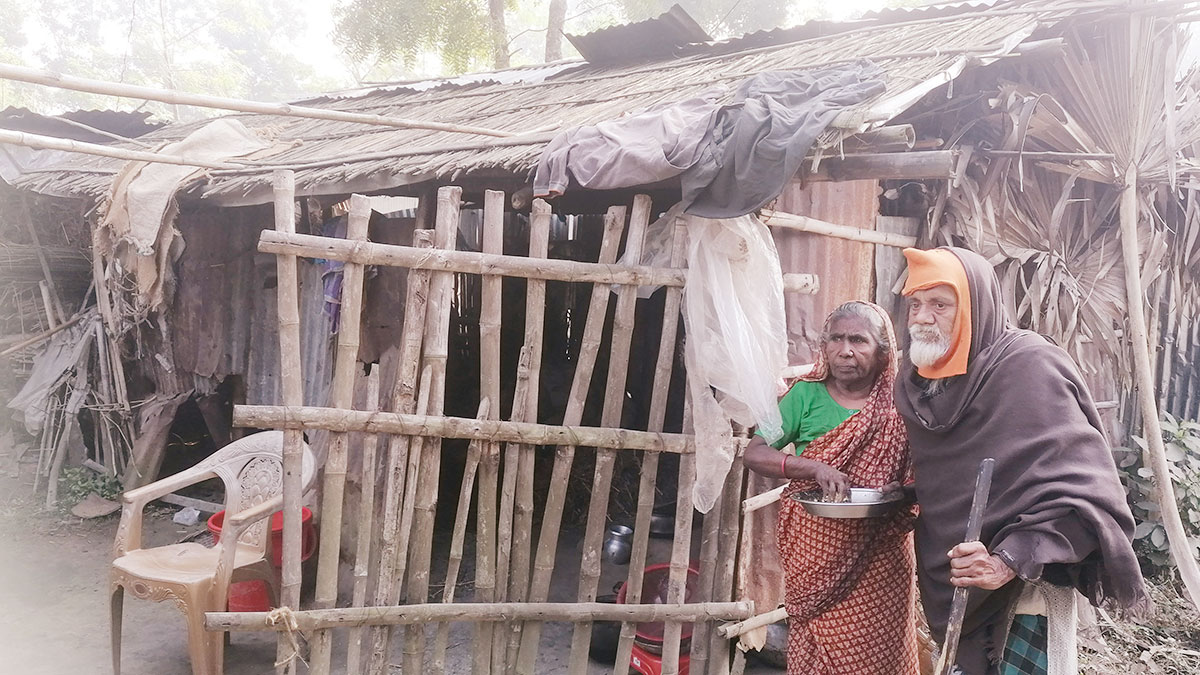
[863, 503]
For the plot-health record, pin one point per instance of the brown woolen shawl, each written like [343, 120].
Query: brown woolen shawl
[1057, 510]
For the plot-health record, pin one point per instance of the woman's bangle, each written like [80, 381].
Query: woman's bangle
[783, 465]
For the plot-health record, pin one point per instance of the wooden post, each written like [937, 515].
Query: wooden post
[1181, 548]
[680, 559]
[366, 527]
[437, 337]
[485, 554]
[404, 400]
[291, 378]
[702, 634]
[506, 638]
[658, 413]
[535, 322]
[564, 456]
[454, 562]
[610, 417]
[341, 396]
[726, 559]
[494, 523]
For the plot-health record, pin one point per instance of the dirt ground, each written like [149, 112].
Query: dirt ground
[54, 616]
[54, 601]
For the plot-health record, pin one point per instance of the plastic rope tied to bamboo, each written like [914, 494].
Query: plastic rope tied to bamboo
[736, 342]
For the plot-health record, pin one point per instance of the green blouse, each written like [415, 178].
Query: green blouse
[809, 412]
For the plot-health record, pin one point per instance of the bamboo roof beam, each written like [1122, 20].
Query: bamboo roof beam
[66, 145]
[790, 221]
[60, 81]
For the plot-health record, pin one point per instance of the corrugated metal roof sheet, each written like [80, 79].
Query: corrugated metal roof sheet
[121, 123]
[647, 40]
[338, 157]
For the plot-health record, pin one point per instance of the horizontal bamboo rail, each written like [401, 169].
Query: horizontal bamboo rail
[915, 165]
[732, 630]
[66, 145]
[350, 617]
[468, 262]
[60, 81]
[805, 224]
[750, 504]
[434, 426]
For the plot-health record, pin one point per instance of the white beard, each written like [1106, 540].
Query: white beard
[928, 345]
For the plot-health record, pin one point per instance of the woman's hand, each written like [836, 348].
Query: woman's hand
[835, 486]
[972, 565]
[898, 491]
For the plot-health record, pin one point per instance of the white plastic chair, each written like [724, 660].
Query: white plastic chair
[195, 577]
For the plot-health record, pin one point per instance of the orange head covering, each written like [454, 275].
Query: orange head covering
[927, 269]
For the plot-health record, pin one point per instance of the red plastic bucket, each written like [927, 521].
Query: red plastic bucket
[249, 596]
[654, 590]
[308, 534]
[254, 596]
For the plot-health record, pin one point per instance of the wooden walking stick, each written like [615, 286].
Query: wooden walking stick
[958, 606]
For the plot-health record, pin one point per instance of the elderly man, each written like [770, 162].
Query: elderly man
[973, 386]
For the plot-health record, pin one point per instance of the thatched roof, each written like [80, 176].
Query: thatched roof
[917, 50]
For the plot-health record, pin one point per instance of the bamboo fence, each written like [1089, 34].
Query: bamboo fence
[506, 601]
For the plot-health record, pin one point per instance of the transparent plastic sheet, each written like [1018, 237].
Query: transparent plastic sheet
[736, 341]
[736, 336]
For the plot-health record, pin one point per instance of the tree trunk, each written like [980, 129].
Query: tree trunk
[554, 30]
[499, 34]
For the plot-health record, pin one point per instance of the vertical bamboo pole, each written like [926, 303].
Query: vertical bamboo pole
[366, 527]
[731, 500]
[547, 548]
[454, 563]
[51, 289]
[485, 554]
[437, 338]
[341, 396]
[52, 319]
[403, 399]
[494, 529]
[680, 555]
[291, 379]
[614, 400]
[525, 407]
[658, 414]
[105, 390]
[702, 634]
[1181, 549]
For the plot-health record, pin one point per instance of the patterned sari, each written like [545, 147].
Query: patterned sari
[850, 583]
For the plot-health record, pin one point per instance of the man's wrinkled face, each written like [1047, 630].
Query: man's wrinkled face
[931, 314]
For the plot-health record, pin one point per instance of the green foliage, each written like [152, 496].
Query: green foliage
[237, 48]
[76, 483]
[1182, 443]
[390, 30]
[721, 18]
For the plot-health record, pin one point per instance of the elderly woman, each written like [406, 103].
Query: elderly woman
[849, 583]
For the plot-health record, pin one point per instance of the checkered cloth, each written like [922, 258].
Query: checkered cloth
[1026, 653]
